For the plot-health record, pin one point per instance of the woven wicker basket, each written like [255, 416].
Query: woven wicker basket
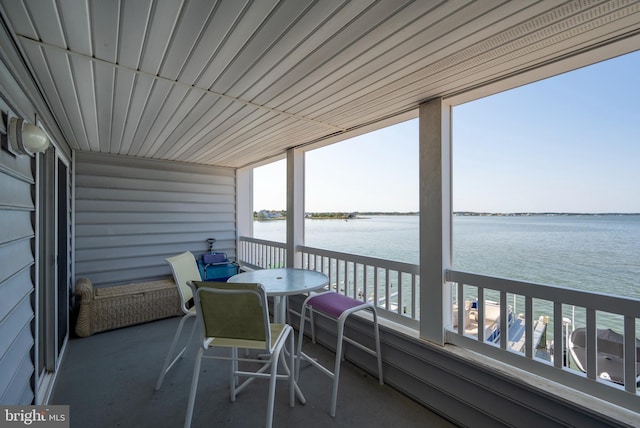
[108, 308]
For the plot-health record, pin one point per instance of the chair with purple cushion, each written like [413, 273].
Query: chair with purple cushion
[338, 307]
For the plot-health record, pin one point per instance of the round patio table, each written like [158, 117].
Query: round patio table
[280, 283]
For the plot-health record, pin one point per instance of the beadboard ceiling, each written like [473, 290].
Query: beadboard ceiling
[235, 82]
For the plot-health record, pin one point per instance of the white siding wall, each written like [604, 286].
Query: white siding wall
[131, 213]
[17, 234]
[18, 240]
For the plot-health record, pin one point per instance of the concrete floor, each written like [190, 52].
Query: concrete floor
[108, 380]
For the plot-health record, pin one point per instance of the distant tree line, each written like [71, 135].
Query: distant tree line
[331, 215]
[282, 214]
[269, 215]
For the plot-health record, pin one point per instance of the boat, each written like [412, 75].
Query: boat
[610, 347]
[515, 325]
[491, 319]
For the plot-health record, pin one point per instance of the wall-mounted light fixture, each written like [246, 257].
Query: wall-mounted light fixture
[23, 138]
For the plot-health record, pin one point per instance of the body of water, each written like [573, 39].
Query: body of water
[588, 252]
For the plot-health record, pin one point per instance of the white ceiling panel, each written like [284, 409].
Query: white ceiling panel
[211, 40]
[192, 22]
[179, 113]
[122, 98]
[46, 20]
[233, 83]
[134, 21]
[84, 79]
[20, 19]
[157, 97]
[139, 100]
[290, 49]
[165, 14]
[58, 66]
[105, 22]
[253, 16]
[78, 32]
[331, 21]
[105, 74]
[152, 142]
[194, 120]
[36, 57]
[259, 45]
[217, 119]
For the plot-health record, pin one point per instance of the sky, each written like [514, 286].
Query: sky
[570, 143]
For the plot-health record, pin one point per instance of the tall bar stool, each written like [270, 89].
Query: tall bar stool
[337, 307]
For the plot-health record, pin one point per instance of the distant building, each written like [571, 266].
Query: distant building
[269, 215]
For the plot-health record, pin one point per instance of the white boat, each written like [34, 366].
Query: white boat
[610, 361]
[491, 319]
[515, 325]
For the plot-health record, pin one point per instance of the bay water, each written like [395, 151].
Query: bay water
[598, 253]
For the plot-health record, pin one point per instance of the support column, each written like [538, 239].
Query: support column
[244, 204]
[295, 206]
[435, 219]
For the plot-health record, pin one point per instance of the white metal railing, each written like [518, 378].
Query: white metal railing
[392, 286]
[559, 304]
[261, 254]
[395, 286]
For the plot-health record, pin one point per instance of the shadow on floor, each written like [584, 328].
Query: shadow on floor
[108, 380]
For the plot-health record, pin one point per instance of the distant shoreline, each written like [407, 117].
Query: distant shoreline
[282, 215]
[528, 214]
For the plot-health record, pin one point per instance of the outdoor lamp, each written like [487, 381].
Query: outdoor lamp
[25, 138]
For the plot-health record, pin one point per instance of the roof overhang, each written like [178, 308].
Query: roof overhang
[237, 83]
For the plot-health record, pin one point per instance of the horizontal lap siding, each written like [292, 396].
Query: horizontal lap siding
[17, 211]
[130, 214]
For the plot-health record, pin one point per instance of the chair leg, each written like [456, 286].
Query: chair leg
[336, 370]
[313, 325]
[194, 389]
[292, 380]
[288, 366]
[300, 338]
[168, 362]
[287, 315]
[233, 379]
[272, 387]
[193, 330]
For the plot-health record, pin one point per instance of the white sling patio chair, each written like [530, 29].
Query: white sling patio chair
[235, 315]
[184, 268]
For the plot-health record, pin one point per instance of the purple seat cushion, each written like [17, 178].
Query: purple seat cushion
[333, 304]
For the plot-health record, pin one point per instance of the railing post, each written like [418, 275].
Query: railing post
[591, 341]
[561, 358]
[528, 316]
[630, 354]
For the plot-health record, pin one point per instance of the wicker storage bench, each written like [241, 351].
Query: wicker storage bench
[123, 305]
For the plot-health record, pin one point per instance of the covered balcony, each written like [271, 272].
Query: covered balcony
[158, 112]
[104, 391]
